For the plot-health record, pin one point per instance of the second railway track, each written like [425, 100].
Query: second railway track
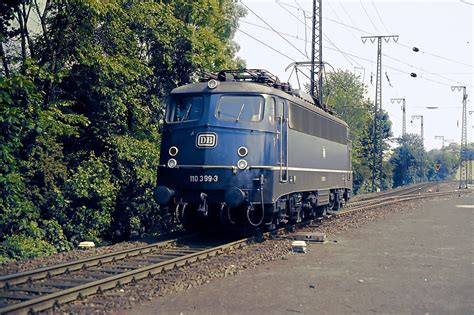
[43, 288]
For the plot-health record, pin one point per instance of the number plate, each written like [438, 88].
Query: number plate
[203, 178]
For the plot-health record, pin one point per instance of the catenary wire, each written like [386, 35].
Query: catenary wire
[349, 54]
[367, 14]
[340, 51]
[435, 55]
[339, 19]
[372, 34]
[265, 44]
[347, 14]
[263, 20]
[380, 17]
[325, 36]
[425, 71]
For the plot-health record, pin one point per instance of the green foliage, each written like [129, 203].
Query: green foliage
[347, 99]
[81, 100]
[448, 157]
[406, 161]
[408, 167]
[16, 247]
[135, 168]
[17, 213]
[54, 235]
[90, 195]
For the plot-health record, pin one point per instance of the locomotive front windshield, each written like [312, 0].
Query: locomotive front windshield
[184, 108]
[240, 108]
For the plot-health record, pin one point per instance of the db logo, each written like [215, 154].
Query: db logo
[206, 140]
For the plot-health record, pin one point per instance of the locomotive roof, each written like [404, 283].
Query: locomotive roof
[250, 87]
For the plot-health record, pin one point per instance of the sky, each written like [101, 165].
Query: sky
[441, 30]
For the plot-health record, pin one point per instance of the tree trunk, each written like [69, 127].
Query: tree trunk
[21, 23]
[4, 61]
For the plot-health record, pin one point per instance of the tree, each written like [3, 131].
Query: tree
[347, 99]
[448, 158]
[81, 100]
[406, 160]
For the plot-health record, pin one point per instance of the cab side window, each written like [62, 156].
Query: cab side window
[280, 108]
[270, 108]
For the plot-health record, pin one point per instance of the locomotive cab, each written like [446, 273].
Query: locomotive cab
[217, 149]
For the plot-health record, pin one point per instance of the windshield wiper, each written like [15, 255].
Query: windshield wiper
[240, 113]
[185, 117]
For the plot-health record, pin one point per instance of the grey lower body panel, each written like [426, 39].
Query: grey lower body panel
[302, 181]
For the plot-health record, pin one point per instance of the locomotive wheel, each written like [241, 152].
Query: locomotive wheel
[320, 211]
[334, 202]
[191, 220]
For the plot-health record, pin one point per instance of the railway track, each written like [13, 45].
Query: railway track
[374, 198]
[41, 289]
[404, 190]
[382, 201]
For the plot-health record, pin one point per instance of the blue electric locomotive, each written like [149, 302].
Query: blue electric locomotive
[246, 150]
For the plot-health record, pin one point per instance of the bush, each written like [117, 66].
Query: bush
[16, 247]
[90, 198]
[54, 235]
[135, 168]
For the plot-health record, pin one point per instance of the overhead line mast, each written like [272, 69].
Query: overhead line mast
[404, 121]
[463, 154]
[317, 51]
[377, 169]
[404, 132]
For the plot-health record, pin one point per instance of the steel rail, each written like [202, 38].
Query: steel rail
[50, 300]
[387, 194]
[54, 270]
[396, 199]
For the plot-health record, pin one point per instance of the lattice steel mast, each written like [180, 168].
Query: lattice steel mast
[463, 153]
[317, 52]
[377, 133]
[422, 171]
[404, 122]
[404, 132]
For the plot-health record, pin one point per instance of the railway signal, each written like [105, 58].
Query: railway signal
[437, 167]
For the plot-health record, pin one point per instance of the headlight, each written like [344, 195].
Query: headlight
[172, 163]
[173, 151]
[242, 151]
[242, 164]
[212, 84]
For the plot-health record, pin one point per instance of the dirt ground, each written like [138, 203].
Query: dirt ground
[419, 261]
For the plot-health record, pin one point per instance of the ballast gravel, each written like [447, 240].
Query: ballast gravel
[224, 265]
[202, 272]
[76, 254]
[69, 256]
